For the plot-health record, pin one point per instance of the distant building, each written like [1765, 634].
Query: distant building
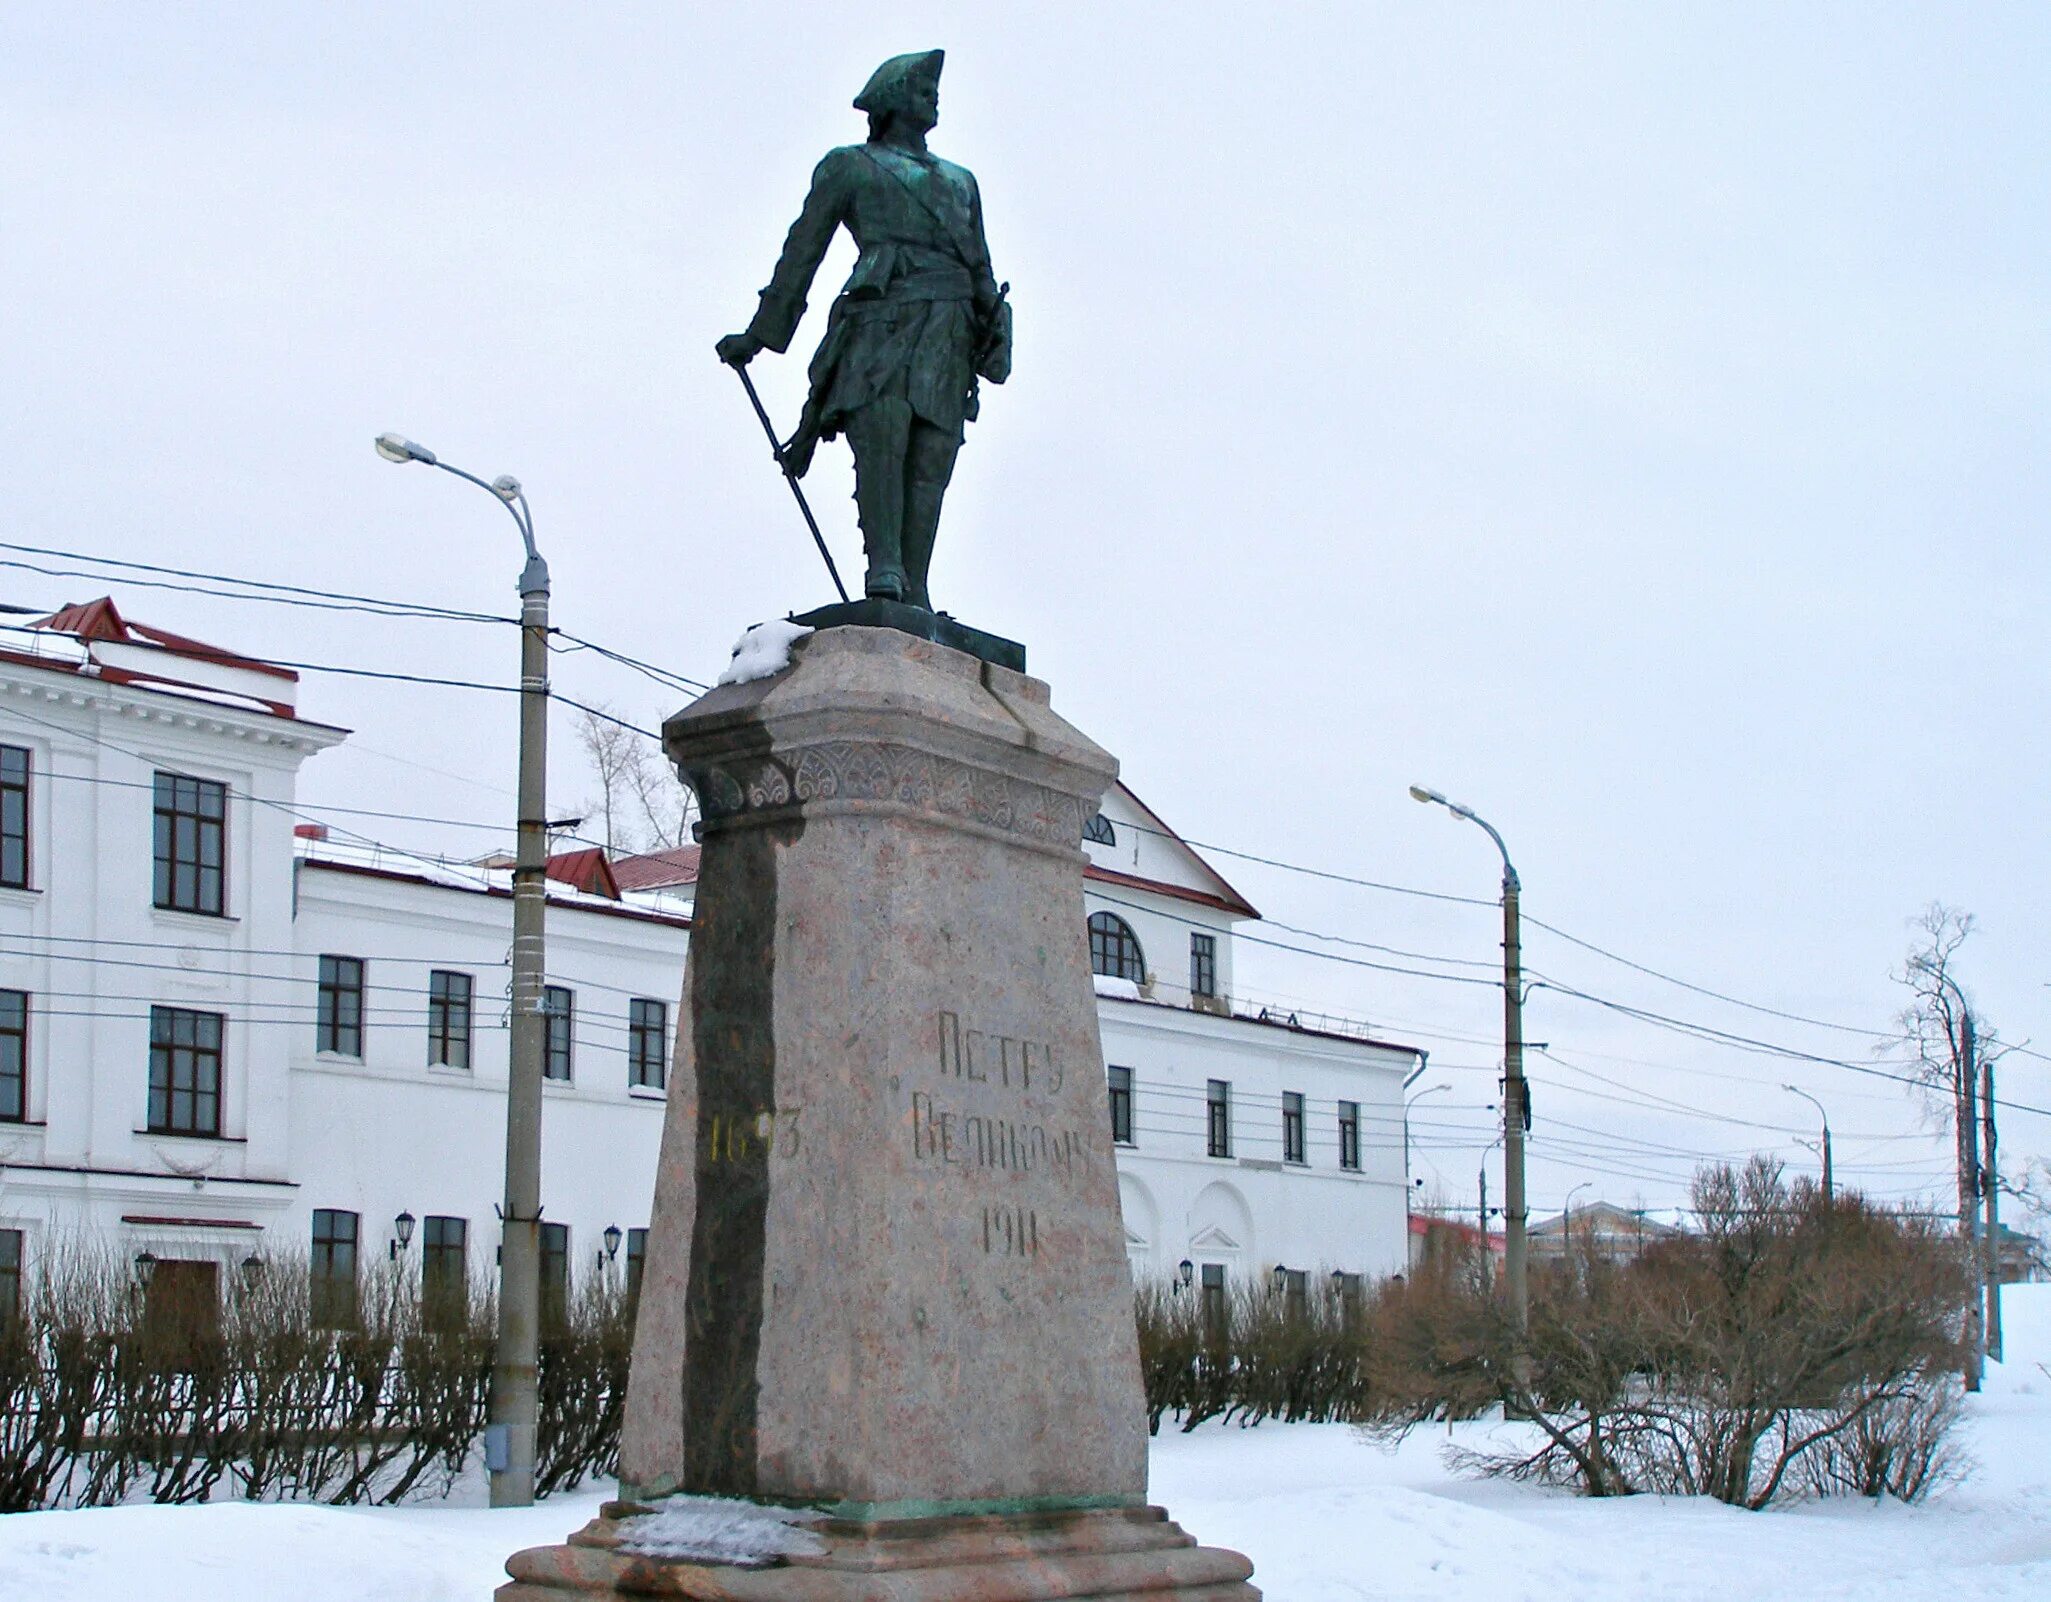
[1618, 1233]
[227, 1029]
[1437, 1239]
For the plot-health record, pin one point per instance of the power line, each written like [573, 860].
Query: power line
[283, 592]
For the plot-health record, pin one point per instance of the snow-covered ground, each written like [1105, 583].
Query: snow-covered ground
[1324, 1516]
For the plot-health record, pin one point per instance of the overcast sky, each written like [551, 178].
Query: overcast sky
[1630, 420]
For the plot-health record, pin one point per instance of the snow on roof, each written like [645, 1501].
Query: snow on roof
[120, 651]
[492, 876]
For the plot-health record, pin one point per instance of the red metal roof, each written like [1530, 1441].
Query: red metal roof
[658, 870]
[101, 620]
[585, 870]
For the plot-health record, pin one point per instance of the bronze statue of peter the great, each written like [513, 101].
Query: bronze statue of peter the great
[918, 322]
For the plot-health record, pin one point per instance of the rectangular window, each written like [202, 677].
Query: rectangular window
[13, 1056]
[647, 1035]
[1292, 1126]
[555, 1275]
[444, 1272]
[558, 1015]
[332, 1270]
[14, 771]
[1217, 1314]
[10, 1276]
[1296, 1292]
[637, 1261]
[191, 843]
[1349, 1135]
[448, 1019]
[339, 1027]
[1218, 1099]
[1203, 965]
[185, 1072]
[1121, 1104]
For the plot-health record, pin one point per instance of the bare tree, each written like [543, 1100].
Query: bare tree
[639, 805]
[1955, 1052]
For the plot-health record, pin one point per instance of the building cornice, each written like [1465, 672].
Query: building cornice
[53, 684]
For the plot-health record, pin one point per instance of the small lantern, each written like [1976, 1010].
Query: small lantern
[1281, 1276]
[1185, 1271]
[252, 1270]
[613, 1237]
[402, 1230]
[145, 1266]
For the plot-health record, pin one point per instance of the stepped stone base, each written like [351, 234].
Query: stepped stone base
[1021, 1557]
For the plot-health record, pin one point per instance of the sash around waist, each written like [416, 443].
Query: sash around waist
[928, 283]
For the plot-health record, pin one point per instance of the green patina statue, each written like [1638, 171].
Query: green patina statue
[920, 319]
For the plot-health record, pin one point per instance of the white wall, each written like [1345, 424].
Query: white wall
[390, 1133]
[1251, 1211]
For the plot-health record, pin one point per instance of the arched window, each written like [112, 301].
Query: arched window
[1114, 948]
[1098, 830]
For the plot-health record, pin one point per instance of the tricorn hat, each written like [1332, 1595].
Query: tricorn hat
[889, 86]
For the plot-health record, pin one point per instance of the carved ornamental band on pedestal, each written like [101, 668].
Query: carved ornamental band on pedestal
[898, 775]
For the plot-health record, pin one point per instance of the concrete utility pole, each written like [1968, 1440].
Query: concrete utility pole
[1971, 1179]
[509, 1444]
[1829, 1190]
[1516, 1103]
[1990, 1184]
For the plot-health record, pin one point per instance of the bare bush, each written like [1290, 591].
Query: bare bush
[106, 1395]
[1792, 1344]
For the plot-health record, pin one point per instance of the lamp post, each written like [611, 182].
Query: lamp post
[1567, 1216]
[1829, 1190]
[1516, 1107]
[1412, 1102]
[510, 1440]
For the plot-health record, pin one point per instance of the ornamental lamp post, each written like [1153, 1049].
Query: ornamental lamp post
[509, 1446]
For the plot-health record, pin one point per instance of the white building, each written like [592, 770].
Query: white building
[225, 1028]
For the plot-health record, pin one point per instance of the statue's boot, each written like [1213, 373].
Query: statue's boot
[880, 435]
[928, 468]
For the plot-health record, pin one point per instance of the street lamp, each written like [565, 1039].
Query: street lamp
[1829, 1190]
[1567, 1214]
[1516, 1104]
[1185, 1271]
[1412, 1102]
[510, 1438]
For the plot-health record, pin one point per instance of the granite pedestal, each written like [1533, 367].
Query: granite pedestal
[886, 1275]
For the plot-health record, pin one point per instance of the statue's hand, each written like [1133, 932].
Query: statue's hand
[737, 350]
[796, 457]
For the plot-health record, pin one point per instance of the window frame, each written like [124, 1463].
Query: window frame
[1349, 1136]
[647, 1044]
[14, 1049]
[334, 1296]
[338, 1007]
[1099, 830]
[1118, 1082]
[1112, 940]
[1203, 963]
[164, 1043]
[168, 793]
[449, 1019]
[552, 1018]
[442, 1292]
[13, 1260]
[553, 1299]
[1294, 1146]
[1215, 1302]
[1218, 1117]
[16, 813]
[637, 1263]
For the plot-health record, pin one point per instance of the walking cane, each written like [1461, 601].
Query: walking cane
[804, 506]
